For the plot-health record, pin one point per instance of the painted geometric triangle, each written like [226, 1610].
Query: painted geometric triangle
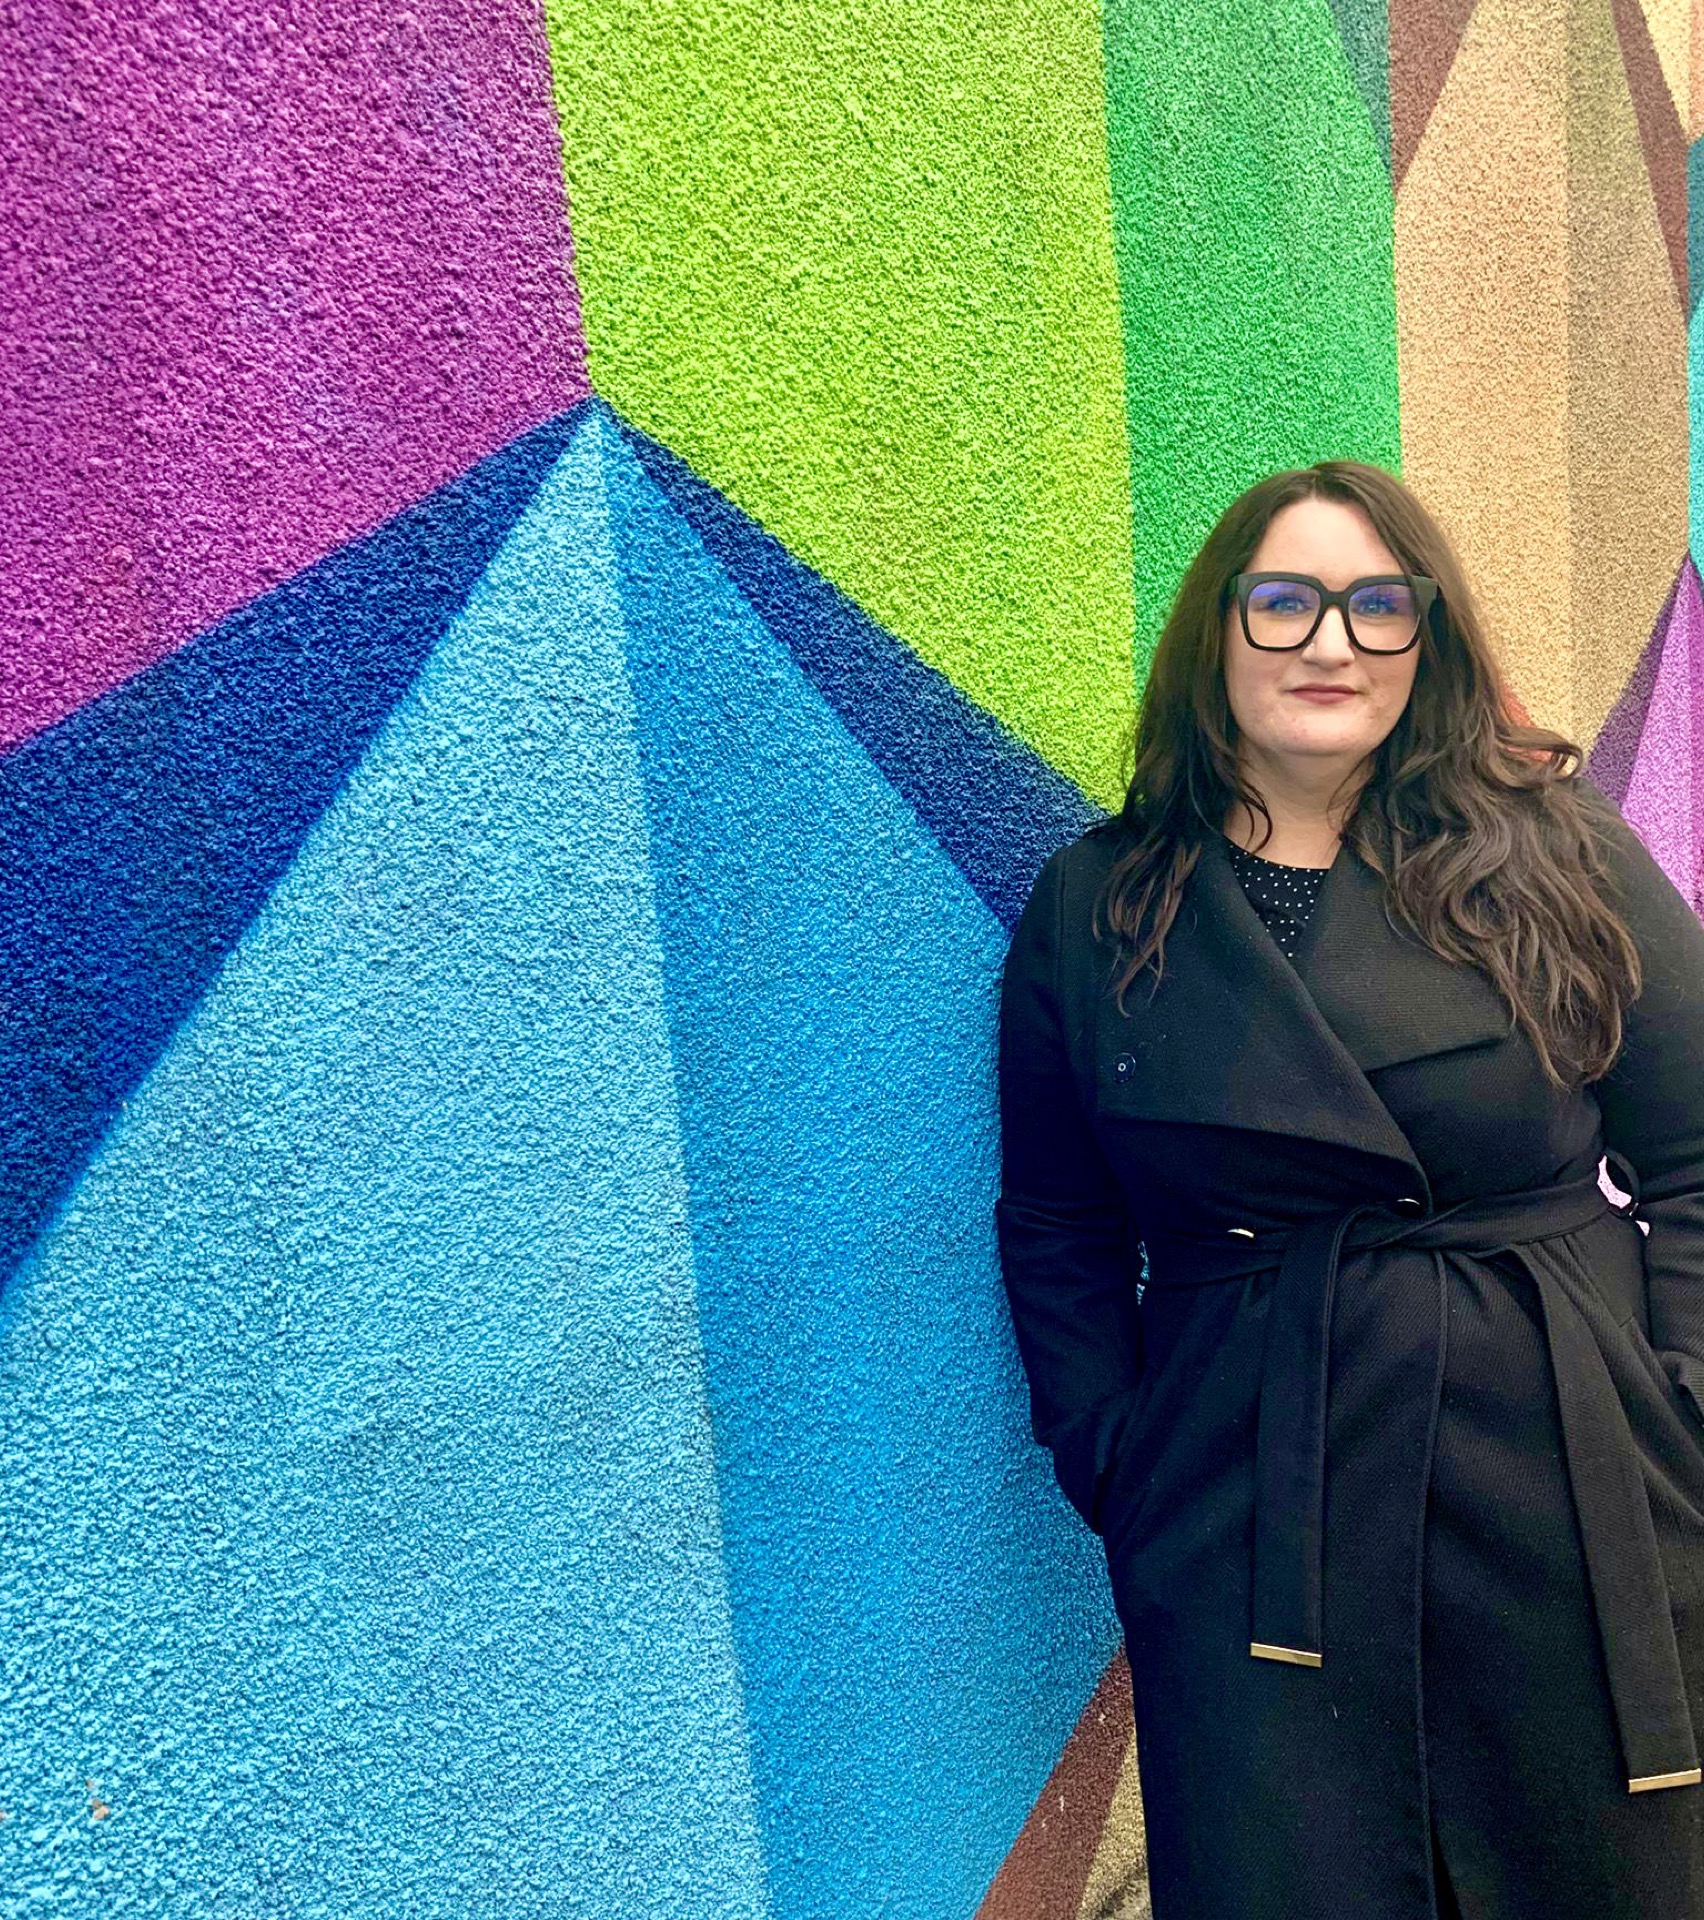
[1364, 29]
[1662, 135]
[139, 836]
[1613, 753]
[1046, 1875]
[1664, 801]
[1424, 38]
[360, 1471]
[996, 807]
[1670, 24]
[918, 1615]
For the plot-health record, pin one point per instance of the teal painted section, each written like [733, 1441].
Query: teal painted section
[1364, 28]
[362, 1545]
[919, 1617]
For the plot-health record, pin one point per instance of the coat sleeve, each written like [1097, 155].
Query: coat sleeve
[1652, 1099]
[1067, 1240]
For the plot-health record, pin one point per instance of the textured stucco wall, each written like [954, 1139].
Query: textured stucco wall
[271, 274]
[508, 830]
[855, 263]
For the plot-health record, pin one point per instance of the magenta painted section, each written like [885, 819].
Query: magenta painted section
[1664, 802]
[268, 280]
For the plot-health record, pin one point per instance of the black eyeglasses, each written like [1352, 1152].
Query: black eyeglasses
[1381, 614]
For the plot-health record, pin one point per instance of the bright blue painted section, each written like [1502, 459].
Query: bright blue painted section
[996, 807]
[140, 836]
[361, 1534]
[920, 1619]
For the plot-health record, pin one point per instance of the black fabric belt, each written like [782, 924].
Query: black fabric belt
[1629, 1590]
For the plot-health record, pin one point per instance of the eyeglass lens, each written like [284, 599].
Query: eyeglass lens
[1382, 616]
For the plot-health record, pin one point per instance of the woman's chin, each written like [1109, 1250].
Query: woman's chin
[1318, 739]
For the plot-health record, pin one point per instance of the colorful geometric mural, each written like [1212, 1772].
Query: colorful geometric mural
[1543, 305]
[270, 277]
[508, 834]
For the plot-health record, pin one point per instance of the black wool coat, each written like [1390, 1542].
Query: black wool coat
[1396, 1451]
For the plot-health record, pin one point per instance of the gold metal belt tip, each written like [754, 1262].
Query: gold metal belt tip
[1649, 1782]
[1291, 1656]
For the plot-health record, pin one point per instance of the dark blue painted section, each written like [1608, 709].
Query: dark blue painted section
[919, 1616]
[139, 837]
[996, 807]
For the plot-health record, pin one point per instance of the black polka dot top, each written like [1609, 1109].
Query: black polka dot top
[1282, 896]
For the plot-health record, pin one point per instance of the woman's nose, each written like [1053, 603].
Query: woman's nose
[1331, 637]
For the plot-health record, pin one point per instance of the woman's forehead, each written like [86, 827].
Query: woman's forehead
[1324, 537]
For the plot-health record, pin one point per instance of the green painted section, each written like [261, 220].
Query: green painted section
[1364, 28]
[854, 263]
[1255, 224]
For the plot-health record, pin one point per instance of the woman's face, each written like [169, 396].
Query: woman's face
[1286, 717]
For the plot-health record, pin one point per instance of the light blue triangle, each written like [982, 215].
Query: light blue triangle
[361, 1541]
[920, 1618]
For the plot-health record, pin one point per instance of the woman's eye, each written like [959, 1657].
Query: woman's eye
[1384, 603]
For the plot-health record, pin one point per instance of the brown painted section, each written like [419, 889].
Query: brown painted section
[1424, 36]
[1044, 1875]
[1661, 135]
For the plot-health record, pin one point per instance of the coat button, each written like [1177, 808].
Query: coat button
[1124, 1065]
[1410, 1204]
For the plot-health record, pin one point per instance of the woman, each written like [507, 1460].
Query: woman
[1389, 1419]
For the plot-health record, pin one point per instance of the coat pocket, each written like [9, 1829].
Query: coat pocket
[1669, 1437]
[1679, 1402]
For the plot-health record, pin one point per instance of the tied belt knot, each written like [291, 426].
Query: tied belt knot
[1628, 1587]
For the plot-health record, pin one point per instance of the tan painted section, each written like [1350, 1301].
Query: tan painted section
[1627, 380]
[1543, 353]
[1117, 1887]
[1670, 22]
[1695, 119]
[1482, 334]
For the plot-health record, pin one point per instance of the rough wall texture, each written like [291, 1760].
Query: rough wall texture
[271, 274]
[504, 1398]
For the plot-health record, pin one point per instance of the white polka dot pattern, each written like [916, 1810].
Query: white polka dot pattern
[1283, 896]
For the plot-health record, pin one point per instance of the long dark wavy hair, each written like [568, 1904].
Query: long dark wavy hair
[1474, 820]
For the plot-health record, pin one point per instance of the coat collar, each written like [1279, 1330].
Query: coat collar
[1235, 1035]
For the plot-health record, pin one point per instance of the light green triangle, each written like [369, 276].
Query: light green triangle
[1255, 228]
[854, 264]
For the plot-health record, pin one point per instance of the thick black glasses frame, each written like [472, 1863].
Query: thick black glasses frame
[1425, 592]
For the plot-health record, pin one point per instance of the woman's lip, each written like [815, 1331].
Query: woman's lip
[1323, 693]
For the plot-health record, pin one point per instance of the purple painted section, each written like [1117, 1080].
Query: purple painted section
[1664, 802]
[270, 278]
[1613, 753]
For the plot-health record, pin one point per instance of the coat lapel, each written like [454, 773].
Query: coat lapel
[1235, 1035]
[1386, 995]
